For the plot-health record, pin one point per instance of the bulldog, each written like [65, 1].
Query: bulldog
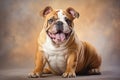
[59, 49]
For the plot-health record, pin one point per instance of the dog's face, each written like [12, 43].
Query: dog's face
[59, 23]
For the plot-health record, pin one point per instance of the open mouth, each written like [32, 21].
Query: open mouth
[59, 37]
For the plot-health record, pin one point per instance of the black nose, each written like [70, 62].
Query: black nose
[59, 26]
[59, 23]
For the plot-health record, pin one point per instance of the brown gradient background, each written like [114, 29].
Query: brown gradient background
[20, 24]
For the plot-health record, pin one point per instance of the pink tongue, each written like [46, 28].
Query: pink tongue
[60, 37]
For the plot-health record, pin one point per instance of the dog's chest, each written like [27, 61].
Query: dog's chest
[57, 62]
[57, 57]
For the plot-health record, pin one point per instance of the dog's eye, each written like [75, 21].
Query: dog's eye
[50, 20]
[68, 21]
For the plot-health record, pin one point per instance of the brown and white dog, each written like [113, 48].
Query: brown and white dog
[59, 49]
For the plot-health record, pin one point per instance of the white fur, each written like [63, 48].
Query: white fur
[61, 17]
[56, 56]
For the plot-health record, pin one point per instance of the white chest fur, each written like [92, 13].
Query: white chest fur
[57, 57]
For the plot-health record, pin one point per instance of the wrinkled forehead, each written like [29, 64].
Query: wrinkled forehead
[60, 13]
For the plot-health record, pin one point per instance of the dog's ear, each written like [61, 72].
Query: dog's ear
[46, 11]
[73, 12]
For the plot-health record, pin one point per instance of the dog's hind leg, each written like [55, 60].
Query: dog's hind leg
[93, 59]
[94, 68]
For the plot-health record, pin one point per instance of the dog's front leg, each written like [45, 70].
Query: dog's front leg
[40, 61]
[71, 66]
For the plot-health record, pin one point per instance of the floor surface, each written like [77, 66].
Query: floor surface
[21, 74]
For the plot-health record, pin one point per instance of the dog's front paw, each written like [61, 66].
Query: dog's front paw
[33, 75]
[69, 75]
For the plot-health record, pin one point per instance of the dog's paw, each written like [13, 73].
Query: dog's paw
[95, 71]
[69, 75]
[33, 75]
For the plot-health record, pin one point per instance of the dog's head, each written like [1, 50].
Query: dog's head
[59, 23]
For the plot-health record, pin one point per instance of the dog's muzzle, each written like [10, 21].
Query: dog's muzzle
[60, 36]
